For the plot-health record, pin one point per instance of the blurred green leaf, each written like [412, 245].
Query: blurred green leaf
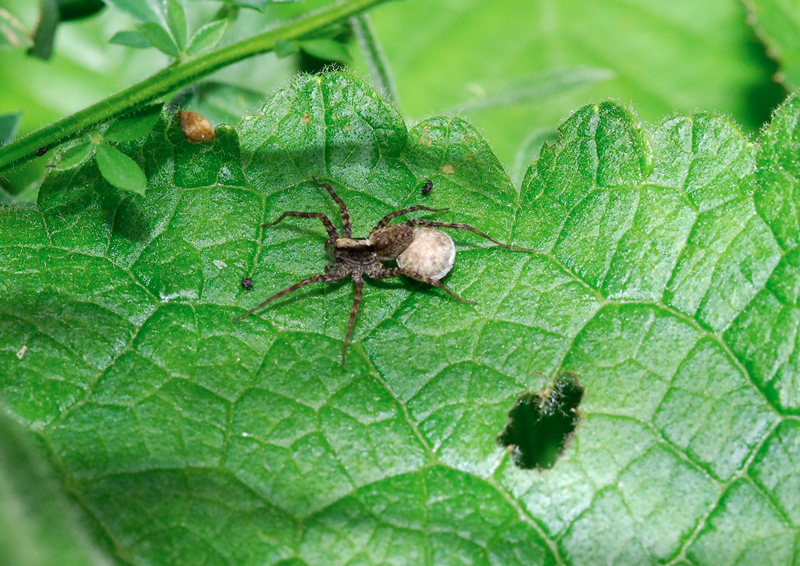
[133, 127]
[158, 38]
[666, 56]
[286, 48]
[9, 123]
[176, 20]
[778, 25]
[533, 88]
[207, 37]
[325, 49]
[141, 10]
[39, 526]
[78, 9]
[259, 4]
[24, 197]
[664, 279]
[120, 170]
[134, 39]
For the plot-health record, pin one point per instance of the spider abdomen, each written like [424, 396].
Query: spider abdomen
[431, 253]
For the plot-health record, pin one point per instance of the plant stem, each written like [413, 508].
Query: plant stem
[378, 66]
[174, 77]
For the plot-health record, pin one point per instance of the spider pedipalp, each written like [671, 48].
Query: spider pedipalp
[421, 250]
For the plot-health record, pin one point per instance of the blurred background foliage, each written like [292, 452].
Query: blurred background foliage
[514, 68]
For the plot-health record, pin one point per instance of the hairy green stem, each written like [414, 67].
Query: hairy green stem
[174, 77]
[378, 66]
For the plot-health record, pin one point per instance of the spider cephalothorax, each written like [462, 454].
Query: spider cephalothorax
[357, 257]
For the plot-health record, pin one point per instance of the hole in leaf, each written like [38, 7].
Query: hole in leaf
[540, 424]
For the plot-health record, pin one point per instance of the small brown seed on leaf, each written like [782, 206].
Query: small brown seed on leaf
[195, 127]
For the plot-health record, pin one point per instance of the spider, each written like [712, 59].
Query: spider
[359, 257]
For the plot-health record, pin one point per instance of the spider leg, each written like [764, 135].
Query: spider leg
[395, 271]
[321, 278]
[332, 232]
[458, 226]
[347, 226]
[359, 285]
[385, 220]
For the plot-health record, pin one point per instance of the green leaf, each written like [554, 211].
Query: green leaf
[325, 49]
[38, 525]
[75, 154]
[286, 48]
[78, 9]
[664, 280]
[134, 39]
[258, 4]
[8, 126]
[158, 38]
[176, 20]
[134, 127]
[778, 25]
[207, 37]
[141, 10]
[664, 57]
[535, 87]
[120, 170]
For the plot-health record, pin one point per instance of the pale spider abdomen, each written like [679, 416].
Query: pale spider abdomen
[431, 253]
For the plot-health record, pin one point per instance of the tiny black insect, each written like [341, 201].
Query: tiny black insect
[357, 257]
[247, 283]
[41, 151]
[427, 187]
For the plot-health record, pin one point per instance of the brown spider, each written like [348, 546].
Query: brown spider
[357, 257]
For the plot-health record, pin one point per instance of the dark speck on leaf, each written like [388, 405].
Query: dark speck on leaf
[41, 151]
[427, 187]
[247, 283]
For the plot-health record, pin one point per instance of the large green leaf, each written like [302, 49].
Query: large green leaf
[778, 24]
[38, 526]
[664, 279]
[517, 66]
